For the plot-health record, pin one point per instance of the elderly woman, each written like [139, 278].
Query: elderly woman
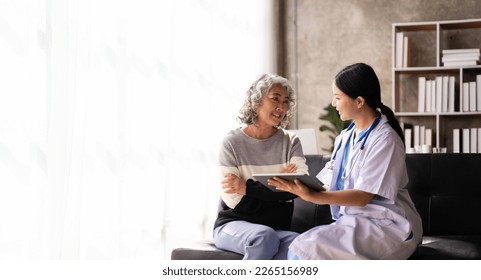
[253, 220]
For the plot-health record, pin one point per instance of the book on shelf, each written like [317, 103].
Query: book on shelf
[444, 95]
[461, 63]
[473, 148]
[428, 139]
[456, 140]
[433, 96]
[399, 49]
[460, 57]
[465, 97]
[445, 90]
[406, 51]
[439, 94]
[465, 138]
[428, 96]
[421, 94]
[478, 93]
[462, 51]
[451, 94]
[479, 140]
[422, 135]
[472, 96]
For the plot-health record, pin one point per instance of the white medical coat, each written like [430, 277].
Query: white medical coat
[382, 228]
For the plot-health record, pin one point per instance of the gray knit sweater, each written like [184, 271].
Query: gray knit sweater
[243, 156]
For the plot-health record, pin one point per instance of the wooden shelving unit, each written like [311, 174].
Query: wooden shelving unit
[427, 41]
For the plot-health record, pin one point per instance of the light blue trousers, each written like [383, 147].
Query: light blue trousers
[254, 241]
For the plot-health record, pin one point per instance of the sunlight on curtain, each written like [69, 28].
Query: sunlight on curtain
[110, 117]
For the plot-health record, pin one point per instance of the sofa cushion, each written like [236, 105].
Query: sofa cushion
[203, 250]
[455, 195]
[446, 189]
[457, 247]
[432, 248]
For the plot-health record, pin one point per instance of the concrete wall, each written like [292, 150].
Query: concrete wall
[323, 36]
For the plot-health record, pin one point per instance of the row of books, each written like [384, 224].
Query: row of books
[467, 140]
[471, 96]
[417, 138]
[402, 50]
[461, 57]
[436, 95]
[440, 96]
[450, 57]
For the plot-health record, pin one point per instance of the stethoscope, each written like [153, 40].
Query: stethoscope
[362, 139]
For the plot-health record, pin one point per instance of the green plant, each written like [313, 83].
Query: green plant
[335, 126]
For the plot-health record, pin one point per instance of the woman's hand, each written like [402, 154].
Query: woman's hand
[233, 184]
[290, 168]
[296, 188]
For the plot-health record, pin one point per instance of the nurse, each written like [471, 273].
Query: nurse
[374, 216]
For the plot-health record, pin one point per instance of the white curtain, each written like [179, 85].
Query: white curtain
[110, 117]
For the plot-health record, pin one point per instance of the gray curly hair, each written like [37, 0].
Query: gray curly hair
[259, 89]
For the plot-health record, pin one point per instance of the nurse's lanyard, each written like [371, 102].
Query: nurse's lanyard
[363, 138]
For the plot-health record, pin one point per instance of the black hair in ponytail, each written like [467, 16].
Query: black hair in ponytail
[359, 79]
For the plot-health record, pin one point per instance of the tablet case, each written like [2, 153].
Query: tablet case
[307, 180]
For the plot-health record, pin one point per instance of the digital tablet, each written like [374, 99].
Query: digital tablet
[307, 180]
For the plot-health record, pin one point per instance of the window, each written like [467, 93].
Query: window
[111, 113]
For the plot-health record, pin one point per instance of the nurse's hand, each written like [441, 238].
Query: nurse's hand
[291, 168]
[233, 184]
[296, 188]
